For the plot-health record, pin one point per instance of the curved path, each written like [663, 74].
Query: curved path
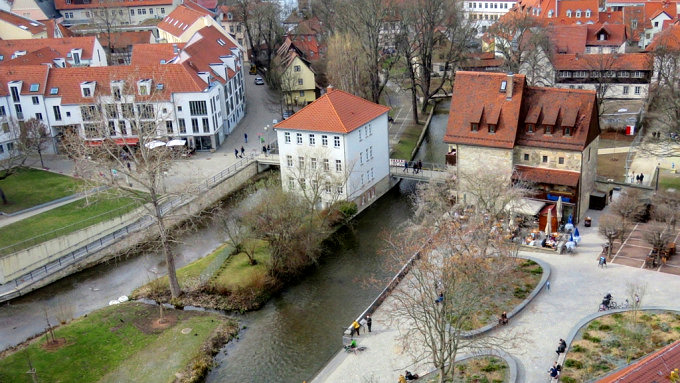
[577, 287]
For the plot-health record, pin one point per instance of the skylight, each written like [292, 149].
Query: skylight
[159, 86]
[221, 42]
[54, 91]
[35, 87]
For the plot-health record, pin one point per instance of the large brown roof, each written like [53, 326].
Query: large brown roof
[334, 112]
[653, 368]
[63, 46]
[627, 61]
[667, 39]
[155, 53]
[546, 176]
[22, 22]
[568, 38]
[27, 74]
[44, 55]
[180, 19]
[477, 98]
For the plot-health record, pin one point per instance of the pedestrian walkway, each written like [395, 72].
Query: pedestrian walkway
[577, 287]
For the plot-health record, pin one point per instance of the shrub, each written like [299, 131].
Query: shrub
[520, 293]
[568, 379]
[493, 365]
[579, 348]
[604, 327]
[573, 363]
[665, 327]
[538, 270]
[594, 339]
[602, 366]
[645, 318]
[593, 325]
[527, 263]
[611, 342]
[348, 209]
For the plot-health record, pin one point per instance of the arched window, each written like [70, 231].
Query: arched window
[588, 13]
[569, 13]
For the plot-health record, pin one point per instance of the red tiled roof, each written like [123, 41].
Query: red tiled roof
[336, 112]
[52, 25]
[154, 53]
[207, 4]
[626, 61]
[199, 53]
[656, 367]
[546, 176]
[63, 46]
[668, 39]
[22, 22]
[175, 79]
[28, 74]
[125, 39]
[235, 13]
[611, 17]
[561, 108]
[199, 7]
[568, 38]
[44, 55]
[477, 98]
[68, 5]
[573, 6]
[180, 19]
[616, 34]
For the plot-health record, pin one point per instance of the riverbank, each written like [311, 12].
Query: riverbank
[125, 342]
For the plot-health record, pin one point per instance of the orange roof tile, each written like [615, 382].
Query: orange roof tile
[80, 4]
[666, 39]
[568, 38]
[335, 112]
[203, 6]
[125, 39]
[626, 61]
[52, 26]
[63, 46]
[235, 13]
[180, 19]
[175, 79]
[27, 74]
[477, 97]
[655, 367]
[616, 34]
[154, 53]
[546, 176]
[22, 22]
[200, 53]
[44, 55]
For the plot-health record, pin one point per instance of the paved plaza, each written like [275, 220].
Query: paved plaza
[577, 287]
[635, 250]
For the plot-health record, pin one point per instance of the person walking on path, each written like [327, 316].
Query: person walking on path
[369, 322]
[243, 151]
[547, 285]
[642, 178]
[245, 136]
[264, 150]
[363, 322]
[405, 167]
[236, 153]
[356, 326]
[420, 166]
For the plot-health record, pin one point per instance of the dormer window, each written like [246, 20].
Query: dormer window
[569, 13]
[76, 55]
[550, 13]
[87, 88]
[530, 128]
[567, 131]
[588, 13]
[602, 36]
[492, 128]
[578, 13]
[474, 126]
[144, 87]
[548, 129]
[230, 16]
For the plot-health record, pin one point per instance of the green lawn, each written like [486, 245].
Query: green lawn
[237, 271]
[31, 187]
[194, 269]
[118, 343]
[612, 166]
[62, 220]
[668, 180]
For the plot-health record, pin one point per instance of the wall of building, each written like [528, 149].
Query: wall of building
[588, 176]
[614, 91]
[12, 32]
[571, 158]
[475, 159]
[29, 9]
[367, 148]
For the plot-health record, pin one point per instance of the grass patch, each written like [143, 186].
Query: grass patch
[61, 221]
[30, 187]
[612, 166]
[614, 341]
[409, 138]
[118, 343]
[668, 180]
[238, 273]
[482, 369]
[518, 284]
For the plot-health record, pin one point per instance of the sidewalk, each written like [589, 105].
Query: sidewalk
[577, 286]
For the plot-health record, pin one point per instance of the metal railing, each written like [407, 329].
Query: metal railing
[19, 286]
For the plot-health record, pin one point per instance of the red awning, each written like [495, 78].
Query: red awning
[118, 141]
[547, 176]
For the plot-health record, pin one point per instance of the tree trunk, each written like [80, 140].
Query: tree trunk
[42, 164]
[414, 93]
[4, 198]
[175, 290]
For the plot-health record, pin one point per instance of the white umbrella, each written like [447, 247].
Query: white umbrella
[154, 144]
[559, 209]
[548, 223]
[177, 142]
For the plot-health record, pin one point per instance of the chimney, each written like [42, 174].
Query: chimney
[329, 89]
[508, 92]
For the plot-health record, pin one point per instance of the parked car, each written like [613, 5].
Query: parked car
[259, 80]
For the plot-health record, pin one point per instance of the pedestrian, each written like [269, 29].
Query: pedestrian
[236, 153]
[632, 177]
[637, 178]
[420, 166]
[555, 370]
[268, 149]
[547, 285]
[363, 322]
[369, 322]
[262, 140]
[356, 327]
[243, 151]
[245, 136]
[264, 150]
[642, 178]
[405, 167]
[129, 166]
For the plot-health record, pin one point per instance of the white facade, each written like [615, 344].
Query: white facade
[127, 15]
[349, 164]
[486, 12]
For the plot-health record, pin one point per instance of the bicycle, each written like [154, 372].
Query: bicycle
[349, 348]
[612, 305]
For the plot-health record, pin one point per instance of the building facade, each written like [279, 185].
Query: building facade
[335, 148]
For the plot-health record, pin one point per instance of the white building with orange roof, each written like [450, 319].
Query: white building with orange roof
[115, 13]
[486, 12]
[335, 148]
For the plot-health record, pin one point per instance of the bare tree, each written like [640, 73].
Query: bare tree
[35, 137]
[610, 228]
[262, 20]
[459, 261]
[630, 208]
[135, 157]
[432, 30]
[666, 208]
[347, 65]
[602, 69]
[516, 35]
[365, 19]
[658, 234]
[240, 235]
[107, 19]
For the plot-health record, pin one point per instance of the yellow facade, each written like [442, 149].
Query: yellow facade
[300, 82]
[204, 21]
[12, 32]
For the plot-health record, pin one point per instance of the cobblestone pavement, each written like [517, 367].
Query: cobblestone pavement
[577, 287]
